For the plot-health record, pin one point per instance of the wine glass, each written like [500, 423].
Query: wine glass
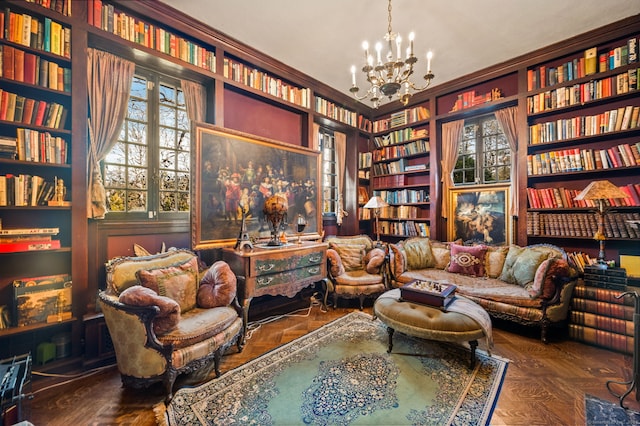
[301, 223]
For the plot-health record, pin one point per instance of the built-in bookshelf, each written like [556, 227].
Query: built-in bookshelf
[255, 78]
[335, 112]
[400, 173]
[582, 114]
[35, 159]
[112, 19]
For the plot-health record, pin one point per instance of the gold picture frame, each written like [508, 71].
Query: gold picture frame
[223, 159]
[480, 214]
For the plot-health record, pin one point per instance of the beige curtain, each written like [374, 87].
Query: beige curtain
[195, 97]
[451, 135]
[341, 164]
[507, 118]
[109, 82]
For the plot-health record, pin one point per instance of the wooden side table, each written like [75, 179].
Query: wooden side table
[282, 271]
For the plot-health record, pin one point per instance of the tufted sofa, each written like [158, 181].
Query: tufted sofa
[167, 317]
[529, 285]
[356, 268]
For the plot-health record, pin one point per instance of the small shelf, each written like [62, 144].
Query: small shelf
[51, 251]
[11, 331]
[480, 109]
[33, 163]
[582, 140]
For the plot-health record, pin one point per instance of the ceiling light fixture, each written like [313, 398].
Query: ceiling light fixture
[391, 77]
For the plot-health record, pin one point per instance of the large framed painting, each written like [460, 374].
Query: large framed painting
[234, 173]
[480, 214]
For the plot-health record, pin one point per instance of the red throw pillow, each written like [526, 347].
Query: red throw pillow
[169, 315]
[467, 260]
[218, 286]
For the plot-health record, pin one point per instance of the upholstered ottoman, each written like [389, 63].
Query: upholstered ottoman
[426, 322]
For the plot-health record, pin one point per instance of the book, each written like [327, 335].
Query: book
[44, 299]
[29, 231]
[607, 339]
[45, 244]
[590, 61]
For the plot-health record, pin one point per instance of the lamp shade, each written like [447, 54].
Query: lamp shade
[375, 203]
[601, 190]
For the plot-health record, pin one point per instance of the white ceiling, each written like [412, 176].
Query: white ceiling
[324, 38]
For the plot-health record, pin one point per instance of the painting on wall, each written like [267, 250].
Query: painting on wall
[234, 173]
[480, 215]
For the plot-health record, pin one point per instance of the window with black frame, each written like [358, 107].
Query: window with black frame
[147, 172]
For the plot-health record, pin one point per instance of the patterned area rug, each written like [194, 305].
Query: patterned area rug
[341, 374]
[599, 412]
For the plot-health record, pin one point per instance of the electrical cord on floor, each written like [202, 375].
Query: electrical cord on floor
[72, 377]
[256, 325]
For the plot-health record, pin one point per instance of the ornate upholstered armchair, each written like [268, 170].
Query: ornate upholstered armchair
[165, 320]
[356, 268]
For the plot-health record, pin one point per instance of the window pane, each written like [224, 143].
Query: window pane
[117, 154]
[139, 87]
[167, 180]
[137, 178]
[136, 133]
[137, 201]
[167, 137]
[114, 176]
[115, 200]
[167, 116]
[137, 109]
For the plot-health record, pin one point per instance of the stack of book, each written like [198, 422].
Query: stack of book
[599, 318]
[8, 147]
[28, 239]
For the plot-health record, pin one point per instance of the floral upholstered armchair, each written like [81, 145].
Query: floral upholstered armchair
[356, 268]
[165, 317]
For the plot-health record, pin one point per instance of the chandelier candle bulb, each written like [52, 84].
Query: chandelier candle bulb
[353, 75]
[411, 37]
[399, 47]
[379, 51]
[365, 46]
[429, 56]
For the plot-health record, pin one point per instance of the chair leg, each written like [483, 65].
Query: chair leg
[390, 331]
[474, 345]
[335, 300]
[169, 378]
[361, 299]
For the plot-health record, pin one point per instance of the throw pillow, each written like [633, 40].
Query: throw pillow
[521, 265]
[352, 255]
[218, 286]
[398, 260]
[169, 315]
[467, 260]
[418, 253]
[374, 260]
[494, 261]
[179, 282]
[336, 268]
[441, 254]
[544, 285]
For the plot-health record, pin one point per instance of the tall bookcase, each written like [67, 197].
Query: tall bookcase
[582, 118]
[36, 107]
[400, 172]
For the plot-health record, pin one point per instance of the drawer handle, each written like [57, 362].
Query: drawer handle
[314, 270]
[315, 259]
[266, 268]
[264, 281]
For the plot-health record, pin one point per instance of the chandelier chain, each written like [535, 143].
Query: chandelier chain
[389, 18]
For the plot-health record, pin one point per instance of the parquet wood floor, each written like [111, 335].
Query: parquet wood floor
[544, 385]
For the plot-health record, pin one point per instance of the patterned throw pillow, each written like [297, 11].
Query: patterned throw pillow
[352, 255]
[467, 260]
[543, 284]
[418, 253]
[178, 282]
[217, 287]
[441, 254]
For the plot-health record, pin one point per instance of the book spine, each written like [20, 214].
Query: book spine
[606, 339]
[29, 246]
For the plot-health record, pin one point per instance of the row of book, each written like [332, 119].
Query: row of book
[564, 198]
[335, 112]
[403, 196]
[577, 160]
[25, 190]
[28, 239]
[60, 6]
[421, 146]
[259, 80]
[389, 181]
[364, 123]
[364, 174]
[364, 160]
[20, 109]
[585, 92]
[25, 67]
[130, 28]
[616, 225]
[42, 147]
[401, 118]
[580, 260]
[400, 136]
[392, 167]
[615, 120]
[41, 34]
[400, 212]
[589, 63]
[407, 228]
[471, 99]
[600, 317]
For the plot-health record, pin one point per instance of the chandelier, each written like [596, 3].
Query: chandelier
[391, 77]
